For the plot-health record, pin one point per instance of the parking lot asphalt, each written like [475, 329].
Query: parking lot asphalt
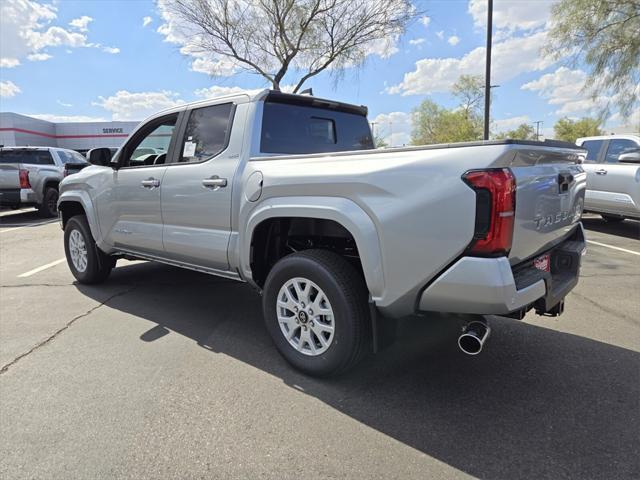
[165, 373]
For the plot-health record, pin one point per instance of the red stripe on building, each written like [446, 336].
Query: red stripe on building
[48, 135]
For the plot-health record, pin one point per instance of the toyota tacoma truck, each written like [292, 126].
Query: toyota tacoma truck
[286, 192]
[29, 176]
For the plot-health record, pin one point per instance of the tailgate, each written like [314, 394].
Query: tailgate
[9, 176]
[549, 199]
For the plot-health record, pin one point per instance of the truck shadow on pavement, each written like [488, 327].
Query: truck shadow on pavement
[628, 228]
[536, 404]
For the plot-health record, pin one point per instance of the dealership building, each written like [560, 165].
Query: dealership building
[22, 130]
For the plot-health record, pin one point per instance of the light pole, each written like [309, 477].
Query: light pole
[538, 129]
[487, 73]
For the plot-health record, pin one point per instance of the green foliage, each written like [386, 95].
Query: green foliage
[570, 130]
[604, 35]
[524, 131]
[469, 90]
[435, 124]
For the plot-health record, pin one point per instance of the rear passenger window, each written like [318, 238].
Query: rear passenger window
[30, 157]
[593, 148]
[206, 134]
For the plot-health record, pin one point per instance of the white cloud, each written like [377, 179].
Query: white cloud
[66, 118]
[394, 128]
[453, 40]
[417, 41]
[25, 29]
[440, 34]
[60, 102]
[510, 16]
[81, 23]
[218, 91]
[425, 21]
[112, 50]
[510, 58]
[38, 57]
[126, 105]
[146, 21]
[564, 88]
[509, 123]
[9, 89]
[9, 62]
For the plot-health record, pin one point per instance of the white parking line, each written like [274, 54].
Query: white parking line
[12, 229]
[43, 267]
[614, 248]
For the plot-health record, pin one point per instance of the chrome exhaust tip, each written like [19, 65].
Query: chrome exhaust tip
[473, 337]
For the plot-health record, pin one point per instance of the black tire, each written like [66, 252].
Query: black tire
[345, 290]
[98, 265]
[49, 207]
[612, 218]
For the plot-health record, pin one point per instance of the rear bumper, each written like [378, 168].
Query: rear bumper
[490, 286]
[17, 196]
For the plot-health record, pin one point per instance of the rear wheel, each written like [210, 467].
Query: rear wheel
[86, 261]
[49, 207]
[612, 218]
[315, 309]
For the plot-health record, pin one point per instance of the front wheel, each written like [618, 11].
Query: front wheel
[315, 309]
[86, 261]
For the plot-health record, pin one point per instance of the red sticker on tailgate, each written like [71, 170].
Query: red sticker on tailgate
[543, 262]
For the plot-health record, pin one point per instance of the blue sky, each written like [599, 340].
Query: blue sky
[116, 59]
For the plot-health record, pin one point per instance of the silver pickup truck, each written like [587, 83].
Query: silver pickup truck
[29, 176]
[286, 192]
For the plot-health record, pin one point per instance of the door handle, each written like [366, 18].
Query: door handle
[150, 183]
[214, 182]
[602, 171]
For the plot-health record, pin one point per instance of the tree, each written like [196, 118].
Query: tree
[276, 37]
[604, 35]
[469, 90]
[379, 142]
[570, 130]
[435, 124]
[524, 131]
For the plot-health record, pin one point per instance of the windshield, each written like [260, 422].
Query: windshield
[295, 129]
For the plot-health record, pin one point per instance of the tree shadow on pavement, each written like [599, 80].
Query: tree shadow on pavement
[536, 404]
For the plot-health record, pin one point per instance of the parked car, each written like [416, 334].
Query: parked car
[29, 176]
[286, 192]
[612, 164]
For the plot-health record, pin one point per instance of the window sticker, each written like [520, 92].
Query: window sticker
[189, 149]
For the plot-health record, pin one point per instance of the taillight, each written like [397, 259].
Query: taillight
[495, 211]
[24, 179]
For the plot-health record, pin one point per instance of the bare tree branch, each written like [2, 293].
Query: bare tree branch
[276, 38]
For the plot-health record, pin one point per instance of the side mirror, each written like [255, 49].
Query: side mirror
[630, 157]
[99, 156]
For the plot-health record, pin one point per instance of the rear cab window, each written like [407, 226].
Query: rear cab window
[305, 126]
[27, 157]
[69, 156]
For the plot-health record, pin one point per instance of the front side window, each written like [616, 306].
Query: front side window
[206, 133]
[617, 147]
[150, 145]
[593, 149]
[28, 157]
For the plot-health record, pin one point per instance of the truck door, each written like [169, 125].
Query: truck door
[133, 217]
[196, 191]
[613, 183]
